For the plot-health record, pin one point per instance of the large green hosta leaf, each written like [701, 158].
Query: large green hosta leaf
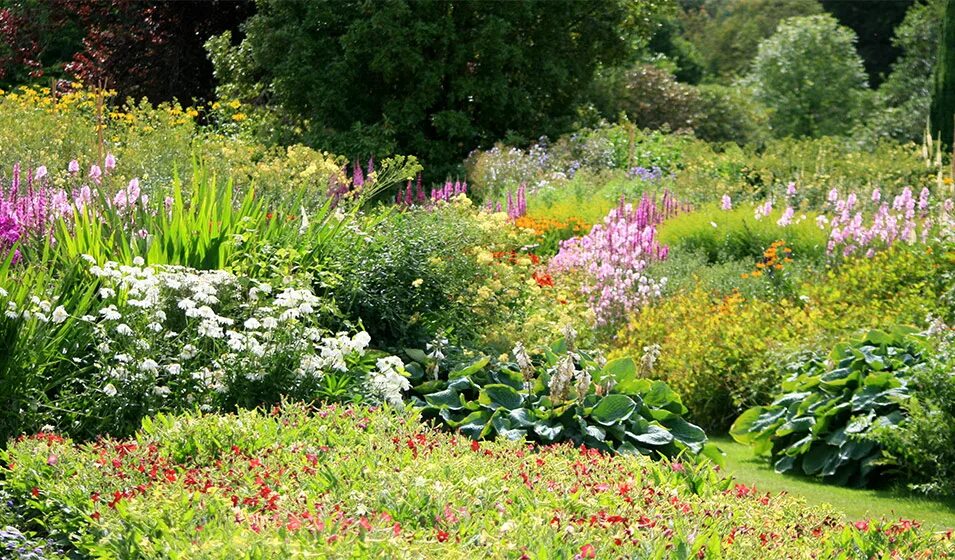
[638, 415]
[819, 425]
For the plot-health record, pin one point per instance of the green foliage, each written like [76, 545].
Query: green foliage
[733, 235]
[434, 79]
[720, 353]
[651, 97]
[902, 285]
[923, 445]
[727, 33]
[37, 363]
[379, 484]
[810, 76]
[409, 276]
[608, 408]
[817, 166]
[943, 93]
[730, 114]
[821, 423]
[904, 98]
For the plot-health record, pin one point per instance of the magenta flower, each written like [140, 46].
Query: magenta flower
[40, 173]
[74, 166]
[727, 202]
[110, 162]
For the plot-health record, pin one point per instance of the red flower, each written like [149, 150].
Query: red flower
[475, 445]
[35, 492]
[442, 535]
[588, 551]
[862, 525]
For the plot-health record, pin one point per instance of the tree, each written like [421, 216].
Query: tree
[943, 98]
[811, 78]
[434, 78]
[139, 48]
[727, 32]
[904, 98]
[873, 25]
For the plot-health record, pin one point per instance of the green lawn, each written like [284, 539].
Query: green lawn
[854, 504]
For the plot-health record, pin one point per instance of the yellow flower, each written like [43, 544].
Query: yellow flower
[239, 117]
[235, 104]
[417, 283]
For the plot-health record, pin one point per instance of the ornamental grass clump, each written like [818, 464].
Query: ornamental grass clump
[610, 261]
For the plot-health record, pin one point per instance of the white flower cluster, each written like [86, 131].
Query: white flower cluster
[40, 309]
[161, 325]
[387, 382]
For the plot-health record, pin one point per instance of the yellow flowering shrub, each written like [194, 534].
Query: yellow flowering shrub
[720, 353]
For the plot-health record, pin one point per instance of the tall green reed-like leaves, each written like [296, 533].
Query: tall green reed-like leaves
[42, 359]
[205, 226]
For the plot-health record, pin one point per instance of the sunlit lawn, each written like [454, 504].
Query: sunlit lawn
[854, 504]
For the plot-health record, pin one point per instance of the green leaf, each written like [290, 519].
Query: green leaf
[613, 409]
[471, 369]
[496, 396]
[690, 434]
[655, 436]
[448, 398]
[417, 355]
[621, 369]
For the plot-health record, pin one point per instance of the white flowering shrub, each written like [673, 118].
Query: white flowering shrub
[170, 337]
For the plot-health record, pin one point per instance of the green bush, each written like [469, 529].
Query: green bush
[922, 446]
[809, 74]
[730, 114]
[902, 285]
[821, 424]
[734, 235]
[412, 275]
[720, 353]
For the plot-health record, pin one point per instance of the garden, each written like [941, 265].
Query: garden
[600, 279]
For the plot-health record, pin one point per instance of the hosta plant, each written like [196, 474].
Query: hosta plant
[561, 394]
[821, 423]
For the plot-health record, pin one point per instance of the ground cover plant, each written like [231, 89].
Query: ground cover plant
[282, 483]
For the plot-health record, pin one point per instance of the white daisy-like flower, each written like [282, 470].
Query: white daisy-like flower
[110, 390]
[124, 329]
[60, 315]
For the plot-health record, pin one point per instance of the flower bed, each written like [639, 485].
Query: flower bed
[342, 480]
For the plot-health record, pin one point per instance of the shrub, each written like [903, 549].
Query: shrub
[652, 98]
[899, 286]
[721, 353]
[921, 447]
[820, 424]
[409, 276]
[809, 74]
[729, 114]
[742, 234]
[351, 482]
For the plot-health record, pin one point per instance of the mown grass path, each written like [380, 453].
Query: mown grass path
[854, 504]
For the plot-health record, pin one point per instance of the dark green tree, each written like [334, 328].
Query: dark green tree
[434, 78]
[943, 97]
